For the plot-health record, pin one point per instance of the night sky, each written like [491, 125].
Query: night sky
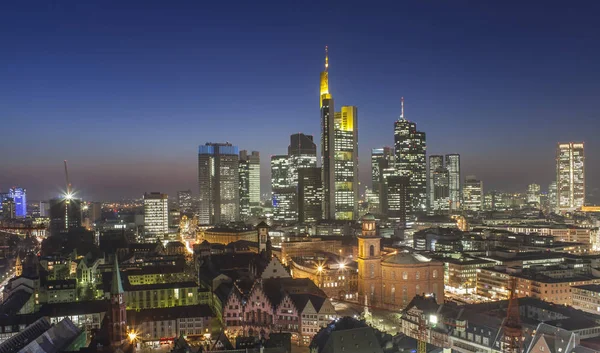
[126, 91]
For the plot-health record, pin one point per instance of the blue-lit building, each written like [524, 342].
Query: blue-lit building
[19, 195]
[218, 183]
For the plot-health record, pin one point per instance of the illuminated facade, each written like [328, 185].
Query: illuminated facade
[327, 144]
[473, 194]
[156, 216]
[454, 180]
[395, 198]
[570, 176]
[533, 194]
[410, 146]
[218, 181]
[441, 191]
[249, 177]
[302, 153]
[346, 163]
[284, 194]
[310, 194]
[552, 196]
[435, 162]
[19, 196]
[184, 200]
[65, 214]
[381, 158]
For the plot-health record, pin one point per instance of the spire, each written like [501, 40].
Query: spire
[402, 108]
[116, 285]
[324, 92]
[326, 58]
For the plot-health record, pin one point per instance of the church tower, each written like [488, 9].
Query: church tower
[117, 324]
[18, 266]
[263, 235]
[369, 263]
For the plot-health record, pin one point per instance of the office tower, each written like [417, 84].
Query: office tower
[92, 211]
[410, 146]
[65, 214]
[184, 201]
[19, 195]
[327, 144]
[381, 158]
[533, 194]
[244, 177]
[454, 180]
[435, 162]
[570, 176]
[218, 181]
[396, 198]
[284, 194]
[310, 194]
[302, 153]
[346, 163]
[9, 209]
[441, 191]
[472, 194]
[44, 209]
[156, 216]
[552, 197]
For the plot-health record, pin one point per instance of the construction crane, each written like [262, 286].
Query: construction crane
[69, 191]
[513, 332]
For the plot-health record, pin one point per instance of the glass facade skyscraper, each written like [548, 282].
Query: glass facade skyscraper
[570, 176]
[19, 196]
[346, 163]
[310, 193]
[472, 194]
[435, 162]
[410, 149]
[454, 181]
[302, 153]
[218, 183]
[249, 177]
[284, 194]
[156, 216]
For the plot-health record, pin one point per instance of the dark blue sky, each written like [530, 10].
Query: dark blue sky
[126, 91]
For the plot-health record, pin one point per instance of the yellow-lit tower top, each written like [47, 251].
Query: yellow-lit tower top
[325, 80]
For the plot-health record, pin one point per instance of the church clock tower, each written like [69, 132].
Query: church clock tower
[369, 263]
[117, 323]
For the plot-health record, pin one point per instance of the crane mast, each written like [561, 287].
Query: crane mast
[67, 179]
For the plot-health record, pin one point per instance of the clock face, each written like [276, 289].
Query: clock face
[120, 299]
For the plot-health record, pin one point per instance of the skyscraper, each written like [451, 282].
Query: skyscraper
[302, 153]
[327, 144]
[381, 158]
[218, 181]
[65, 214]
[552, 197]
[19, 195]
[570, 176]
[249, 171]
[472, 194]
[346, 163]
[454, 180]
[396, 198]
[284, 194]
[310, 193]
[435, 162]
[156, 216]
[411, 161]
[441, 191]
[184, 201]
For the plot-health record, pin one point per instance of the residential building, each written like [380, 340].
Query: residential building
[164, 324]
[570, 176]
[587, 298]
[156, 216]
[218, 181]
[410, 149]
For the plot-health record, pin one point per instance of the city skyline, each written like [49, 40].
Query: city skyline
[109, 118]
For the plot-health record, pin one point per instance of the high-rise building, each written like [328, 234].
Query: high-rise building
[346, 163]
[65, 214]
[410, 146]
[472, 194]
[302, 153]
[435, 162]
[218, 181]
[184, 201]
[310, 194]
[8, 208]
[156, 216]
[327, 144]
[552, 197]
[19, 195]
[249, 171]
[284, 194]
[441, 191]
[533, 194]
[44, 209]
[381, 158]
[454, 180]
[396, 198]
[570, 176]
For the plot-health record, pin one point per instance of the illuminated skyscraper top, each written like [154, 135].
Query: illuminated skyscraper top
[325, 80]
